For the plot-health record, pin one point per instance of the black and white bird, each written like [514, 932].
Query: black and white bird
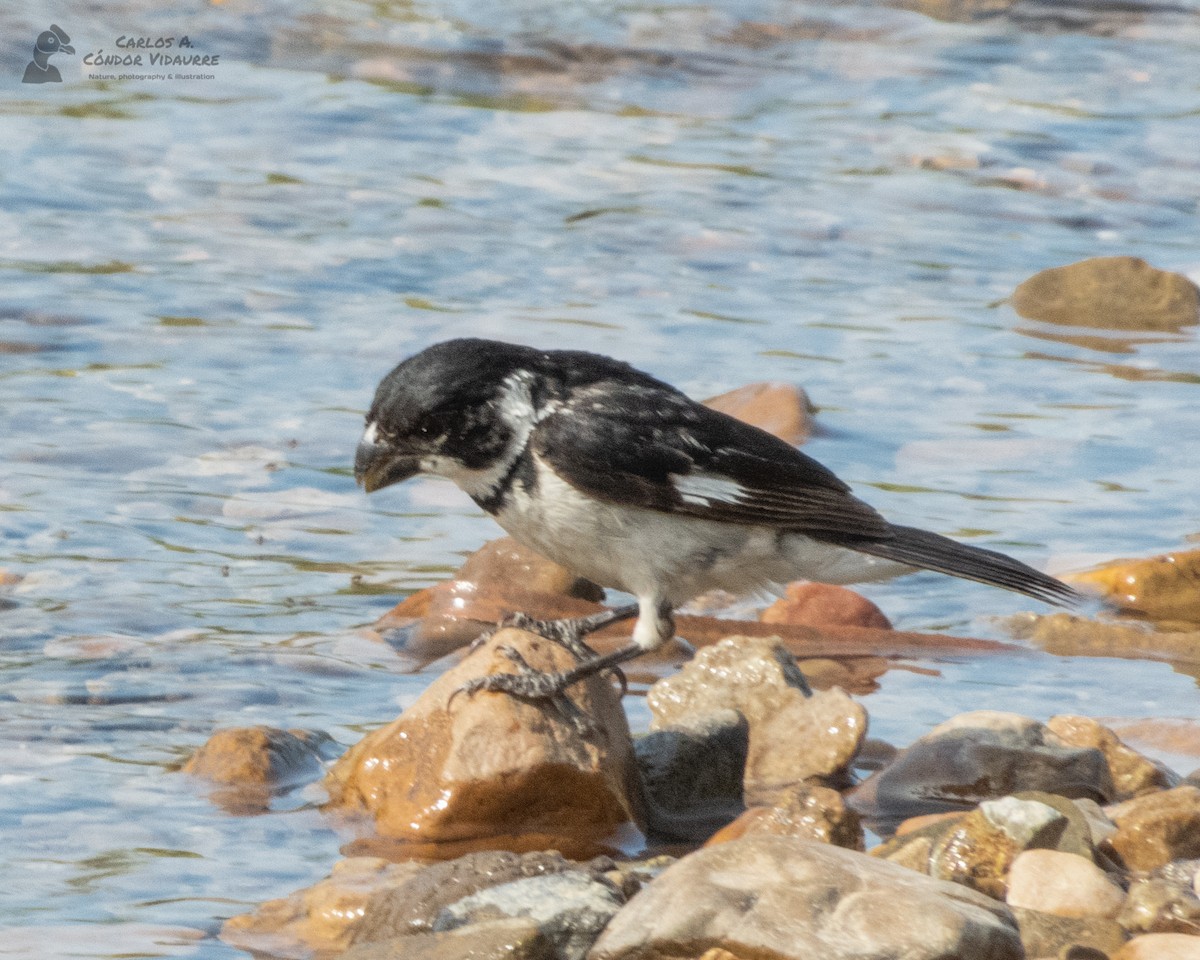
[623, 479]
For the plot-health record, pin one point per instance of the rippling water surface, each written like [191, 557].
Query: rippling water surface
[204, 279]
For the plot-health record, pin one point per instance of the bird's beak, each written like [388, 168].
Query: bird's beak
[378, 464]
[67, 48]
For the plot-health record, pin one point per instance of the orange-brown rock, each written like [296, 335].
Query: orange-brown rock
[319, 919]
[1066, 635]
[1132, 773]
[499, 579]
[1154, 829]
[822, 604]
[488, 768]
[778, 408]
[806, 811]
[1165, 588]
[1111, 293]
[251, 764]
[1160, 946]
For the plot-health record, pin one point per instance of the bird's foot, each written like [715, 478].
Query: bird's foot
[534, 686]
[549, 687]
[567, 633]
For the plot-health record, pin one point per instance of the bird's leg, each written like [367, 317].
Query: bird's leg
[567, 632]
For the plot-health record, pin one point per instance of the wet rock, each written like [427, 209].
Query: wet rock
[1123, 293]
[501, 939]
[1047, 935]
[415, 905]
[794, 736]
[320, 918]
[979, 849]
[804, 811]
[692, 775]
[1064, 884]
[499, 579]
[820, 604]
[779, 897]
[1066, 635]
[570, 909]
[1163, 588]
[493, 769]
[979, 756]
[1160, 946]
[1154, 829]
[250, 765]
[778, 408]
[1165, 902]
[1177, 735]
[1132, 774]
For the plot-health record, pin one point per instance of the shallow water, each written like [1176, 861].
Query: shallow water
[204, 279]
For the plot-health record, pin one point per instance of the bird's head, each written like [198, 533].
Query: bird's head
[54, 41]
[453, 410]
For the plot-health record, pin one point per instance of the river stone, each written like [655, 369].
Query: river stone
[1154, 829]
[693, 774]
[322, 918]
[980, 756]
[1132, 773]
[794, 734]
[1047, 935]
[1117, 293]
[505, 938]
[490, 767]
[782, 898]
[1160, 946]
[806, 811]
[249, 765]
[1063, 884]
[823, 604]
[570, 909]
[779, 408]
[1162, 903]
[1164, 588]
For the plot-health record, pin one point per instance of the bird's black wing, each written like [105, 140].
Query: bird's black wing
[647, 445]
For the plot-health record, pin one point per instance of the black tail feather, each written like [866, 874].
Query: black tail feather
[931, 551]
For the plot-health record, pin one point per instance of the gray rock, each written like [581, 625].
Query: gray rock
[570, 909]
[980, 756]
[782, 897]
[693, 774]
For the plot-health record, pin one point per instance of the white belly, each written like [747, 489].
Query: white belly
[670, 557]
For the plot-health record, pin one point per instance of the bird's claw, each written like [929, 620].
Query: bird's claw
[533, 686]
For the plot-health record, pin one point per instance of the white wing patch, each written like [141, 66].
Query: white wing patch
[702, 489]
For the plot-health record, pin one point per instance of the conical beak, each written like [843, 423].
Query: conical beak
[378, 464]
[67, 48]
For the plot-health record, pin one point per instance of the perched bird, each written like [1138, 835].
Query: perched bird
[623, 479]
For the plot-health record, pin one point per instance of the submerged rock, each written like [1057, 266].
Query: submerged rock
[1164, 902]
[1121, 293]
[250, 765]
[494, 770]
[779, 897]
[1160, 946]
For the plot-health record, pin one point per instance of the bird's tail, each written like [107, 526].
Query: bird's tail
[930, 551]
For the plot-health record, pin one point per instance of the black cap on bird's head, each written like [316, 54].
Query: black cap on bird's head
[439, 403]
[54, 40]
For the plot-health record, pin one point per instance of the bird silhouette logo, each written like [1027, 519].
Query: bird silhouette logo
[49, 42]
